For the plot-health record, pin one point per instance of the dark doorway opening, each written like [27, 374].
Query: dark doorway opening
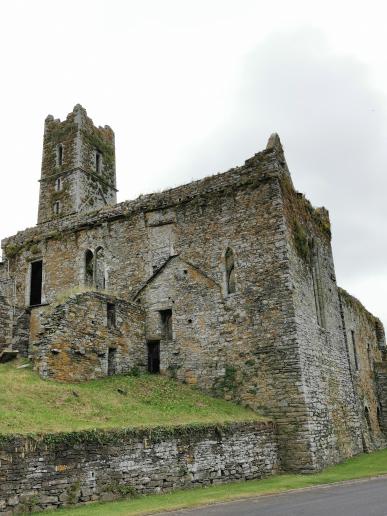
[36, 283]
[112, 354]
[154, 356]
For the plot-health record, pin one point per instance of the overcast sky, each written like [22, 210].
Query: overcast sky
[194, 87]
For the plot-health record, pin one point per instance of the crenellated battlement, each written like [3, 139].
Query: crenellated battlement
[78, 166]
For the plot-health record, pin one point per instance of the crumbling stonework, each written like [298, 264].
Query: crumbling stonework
[78, 166]
[81, 339]
[234, 278]
[82, 467]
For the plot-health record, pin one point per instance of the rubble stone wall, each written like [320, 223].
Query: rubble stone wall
[5, 323]
[66, 469]
[74, 340]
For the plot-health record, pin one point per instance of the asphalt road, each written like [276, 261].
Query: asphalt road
[359, 498]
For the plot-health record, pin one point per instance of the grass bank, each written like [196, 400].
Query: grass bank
[31, 405]
[362, 466]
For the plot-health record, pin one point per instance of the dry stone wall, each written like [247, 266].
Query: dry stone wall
[67, 469]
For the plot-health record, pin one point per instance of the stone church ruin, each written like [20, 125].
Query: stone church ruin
[226, 283]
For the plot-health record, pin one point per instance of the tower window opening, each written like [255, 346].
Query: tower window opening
[58, 184]
[56, 208]
[60, 154]
[98, 161]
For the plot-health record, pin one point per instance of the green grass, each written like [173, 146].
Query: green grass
[31, 405]
[361, 466]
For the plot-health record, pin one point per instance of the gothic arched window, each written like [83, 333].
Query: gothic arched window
[230, 271]
[89, 268]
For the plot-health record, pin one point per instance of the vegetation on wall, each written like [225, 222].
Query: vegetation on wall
[104, 147]
[304, 220]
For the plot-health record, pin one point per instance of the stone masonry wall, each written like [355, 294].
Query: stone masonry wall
[241, 345]
[82, 187]
[73, 341]
[366, 353]
[60, 470]
[332, 419]
[5, 323]
[381, 381]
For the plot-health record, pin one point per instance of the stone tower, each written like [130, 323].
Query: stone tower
[78, 166]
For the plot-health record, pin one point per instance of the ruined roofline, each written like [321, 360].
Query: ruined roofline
[261, 167]
[79, 110]
[359, 307]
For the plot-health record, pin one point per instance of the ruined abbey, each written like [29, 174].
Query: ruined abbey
[226, 283]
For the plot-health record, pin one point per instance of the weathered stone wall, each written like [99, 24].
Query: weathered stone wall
[365, 351]
[274, 342]
[74, 340]
[60, 470]
[5, 323]
[240, 345]
[331, 418]
[381, 381]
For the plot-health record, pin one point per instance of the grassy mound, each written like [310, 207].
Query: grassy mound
[31, 405]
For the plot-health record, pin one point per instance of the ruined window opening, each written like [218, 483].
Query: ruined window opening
[230, 271]
[58, 184]
[355, 355]
[166, 323]
[367, 418]
[111, 315]
[97, 161]
[317, 287]
[99, 269]
[56, 208]
[36, 283]
[112, 356]
[89, 268]
[154, 356]
[60, 154]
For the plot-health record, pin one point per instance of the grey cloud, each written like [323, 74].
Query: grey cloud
[332, 125]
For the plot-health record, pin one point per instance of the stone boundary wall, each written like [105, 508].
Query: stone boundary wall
[63, 469]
